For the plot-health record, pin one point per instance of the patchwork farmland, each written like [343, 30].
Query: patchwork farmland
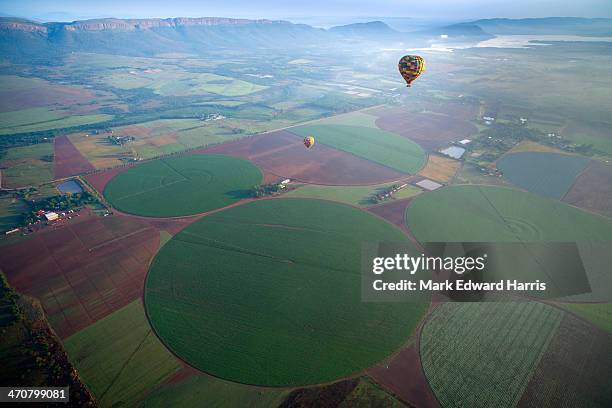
[155, 308]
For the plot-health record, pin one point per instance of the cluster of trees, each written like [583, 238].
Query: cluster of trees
[264, 190]
[32, 354]
[57, 203]
[385, 193]
[501, 137]
[8, 302]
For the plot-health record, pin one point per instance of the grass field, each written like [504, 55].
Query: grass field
[215, 393]
[549, 174]
[483, 354]
[10, 212]
[35, 151]
[177, 82]
[164, 237]
[351, 119]
[368, 394]
[27, 165]
[182, 185]
[600, 314]
[494, 214]
[597, 135]
[353, 195]
[156, 138]
[376, 145]
[38, 119]
[119, 357]
[260, 289]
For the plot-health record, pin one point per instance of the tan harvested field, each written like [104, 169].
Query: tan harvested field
[68, 161]
[431, 131]
[529, 146]
[282, 154]
[592, 190]
[440, 168]
[100, 152]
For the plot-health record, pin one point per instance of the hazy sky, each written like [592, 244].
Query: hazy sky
[63, 10]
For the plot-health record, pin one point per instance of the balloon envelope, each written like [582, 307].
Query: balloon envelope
[410, 67]
[309, 141]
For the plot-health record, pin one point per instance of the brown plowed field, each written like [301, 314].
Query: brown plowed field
[46, 95]
[84, 270]
[67, 160]
[574, 371]
[592, 190]
[282, 154]
[404, 377]
[430, 131]
[393, 211]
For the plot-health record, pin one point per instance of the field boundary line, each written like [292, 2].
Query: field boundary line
[110, 241]
[114, 380]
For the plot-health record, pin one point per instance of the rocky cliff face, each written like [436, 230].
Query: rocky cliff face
[128, 24]
[21, 25]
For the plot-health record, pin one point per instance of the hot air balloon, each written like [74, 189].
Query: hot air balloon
[309, 141]
[411, 66]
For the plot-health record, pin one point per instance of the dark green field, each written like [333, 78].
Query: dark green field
[250, 293]
[382, 147]
[549, 174]
[182, 185]
[497, 214]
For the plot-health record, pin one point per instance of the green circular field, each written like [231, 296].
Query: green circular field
[182, 185]
[498, 214]
[269, 293]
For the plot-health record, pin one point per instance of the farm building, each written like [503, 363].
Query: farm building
[428, 185]
[454, 152]
[51, 216]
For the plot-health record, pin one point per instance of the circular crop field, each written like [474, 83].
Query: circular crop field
[269, 293]
[549, 174]
[498, 214]
[183, 185]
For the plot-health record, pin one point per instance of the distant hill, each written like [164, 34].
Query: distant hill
[369, 29]
[24, 39]
[30, 41]
[548, 26]
[457, 32]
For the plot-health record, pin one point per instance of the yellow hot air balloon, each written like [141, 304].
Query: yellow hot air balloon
[309, 141]
[410, 67]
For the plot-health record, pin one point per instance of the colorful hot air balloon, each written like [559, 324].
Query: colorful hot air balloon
[411, 66]
[309, 141]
